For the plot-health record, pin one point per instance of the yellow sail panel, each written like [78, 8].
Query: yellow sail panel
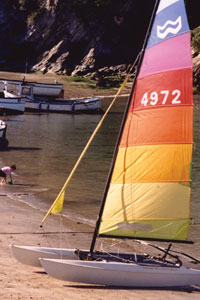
[156, 210]
[153, 163]
[58, 204]
[158, 229]
[56, 207]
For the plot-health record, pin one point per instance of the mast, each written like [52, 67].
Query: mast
[122, 126]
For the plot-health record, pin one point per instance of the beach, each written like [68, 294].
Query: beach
[18, 223]
[24, 203]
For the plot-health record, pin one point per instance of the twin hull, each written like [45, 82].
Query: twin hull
[63, 264]
[29, 255]
[119, 274]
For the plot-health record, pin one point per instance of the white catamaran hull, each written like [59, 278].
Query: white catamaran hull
[29, 255]
[119, 274]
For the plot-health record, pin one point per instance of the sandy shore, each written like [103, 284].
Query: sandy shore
[19, 224]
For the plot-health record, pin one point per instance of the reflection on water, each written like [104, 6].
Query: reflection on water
[45, 148]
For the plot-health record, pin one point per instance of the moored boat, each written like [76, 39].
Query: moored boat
[84, 105]
[40, 89]
[11, 106]
[45, 104]
[3, 139]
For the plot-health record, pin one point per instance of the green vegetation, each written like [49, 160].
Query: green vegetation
[196, 39]
[34, 15]
[103, 82]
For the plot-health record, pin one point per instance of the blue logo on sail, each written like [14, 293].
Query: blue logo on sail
[172, 27]
[170, 22]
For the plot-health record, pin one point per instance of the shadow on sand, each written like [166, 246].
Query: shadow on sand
[186, 289]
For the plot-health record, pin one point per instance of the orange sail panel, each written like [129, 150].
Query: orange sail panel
[158, 126]
[149, 192]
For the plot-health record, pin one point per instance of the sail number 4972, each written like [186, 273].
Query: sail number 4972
[163, 97]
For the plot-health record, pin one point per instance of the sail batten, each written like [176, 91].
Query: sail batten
[149, 190]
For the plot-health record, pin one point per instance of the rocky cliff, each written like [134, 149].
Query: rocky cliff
[75, 37]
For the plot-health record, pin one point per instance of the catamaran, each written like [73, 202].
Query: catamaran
[147, 195]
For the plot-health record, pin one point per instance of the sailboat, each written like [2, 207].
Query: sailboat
[147, 194]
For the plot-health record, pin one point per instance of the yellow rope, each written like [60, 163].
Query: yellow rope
[61, 194]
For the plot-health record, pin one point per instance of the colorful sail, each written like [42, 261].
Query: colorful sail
[149, 191]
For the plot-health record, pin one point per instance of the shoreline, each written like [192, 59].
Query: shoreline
[20, 225]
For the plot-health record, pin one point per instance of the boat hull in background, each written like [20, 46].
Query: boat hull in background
[3, 140]
[41, 89]
[12, 106]
[65, 106]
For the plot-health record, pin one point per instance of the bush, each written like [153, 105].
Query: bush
[36, 14]
[196, 39]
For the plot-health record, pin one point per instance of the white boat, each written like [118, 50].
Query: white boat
[41, 89]
[147, 194]
[3, 128]
[3, 140]
[10, 106]
[120, 274]
[84, 105]
[44, 104]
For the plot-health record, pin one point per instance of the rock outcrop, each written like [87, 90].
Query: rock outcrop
[75, 37]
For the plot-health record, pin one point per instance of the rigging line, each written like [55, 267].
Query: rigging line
[165, 250]
[47, 233]
[89, 142]
[61, 233]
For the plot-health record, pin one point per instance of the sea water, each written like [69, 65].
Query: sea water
[45, 148]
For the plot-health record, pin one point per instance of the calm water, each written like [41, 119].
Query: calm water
[45, 148]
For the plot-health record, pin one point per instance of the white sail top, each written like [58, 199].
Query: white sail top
[165, 3]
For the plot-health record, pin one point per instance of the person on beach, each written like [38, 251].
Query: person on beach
[7, 171]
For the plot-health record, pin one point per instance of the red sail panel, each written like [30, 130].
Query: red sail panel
[171, 89]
